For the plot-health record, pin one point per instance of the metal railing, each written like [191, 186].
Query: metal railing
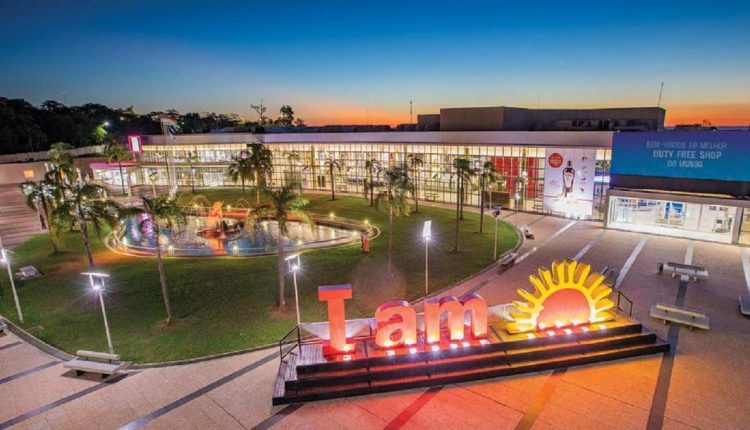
[621, 299]
[284, 341]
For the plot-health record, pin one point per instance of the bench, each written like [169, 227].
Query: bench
[100, 363]
[528, 233]
[508, 258]
[3, 327]
[745, 305]
[677, 269]
[28, 272]
[430, 197]
[688, 317]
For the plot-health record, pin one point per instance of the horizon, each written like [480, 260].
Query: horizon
[351, 64]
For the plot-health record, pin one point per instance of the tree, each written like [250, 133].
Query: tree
[463, 173]
[331, 164]
[261, 111]
[240, 169]
[293, 159]
[83, 204]
[62, 163]
[286, 203]
[117, 153]
[398, 186]
[487, 177]
[415, 162]
[373, 167]
[163, 212]
[42, 196]
[192, 158]
[261, 166]
[287, 116]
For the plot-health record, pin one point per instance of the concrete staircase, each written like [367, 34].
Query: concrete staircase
[17, 221]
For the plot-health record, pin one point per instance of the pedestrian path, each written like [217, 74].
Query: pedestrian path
[18, 222]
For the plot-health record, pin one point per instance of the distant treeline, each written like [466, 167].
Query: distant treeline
[27, 128]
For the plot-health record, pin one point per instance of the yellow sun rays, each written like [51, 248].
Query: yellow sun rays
[566, 275]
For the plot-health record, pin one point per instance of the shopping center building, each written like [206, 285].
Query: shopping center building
[551, 161]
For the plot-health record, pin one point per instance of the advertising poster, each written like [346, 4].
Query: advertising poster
[569, 175]
[711, 155]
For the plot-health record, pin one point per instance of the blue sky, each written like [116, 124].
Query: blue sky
[347, 62]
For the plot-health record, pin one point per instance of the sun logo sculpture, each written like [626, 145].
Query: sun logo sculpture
[567, 295]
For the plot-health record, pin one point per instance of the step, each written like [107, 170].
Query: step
[449, 363]
[634, 328]
[362, 388]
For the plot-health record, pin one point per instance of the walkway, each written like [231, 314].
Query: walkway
[17, 221]
[695, 387]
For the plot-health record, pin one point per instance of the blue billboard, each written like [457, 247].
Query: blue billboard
[712, 155]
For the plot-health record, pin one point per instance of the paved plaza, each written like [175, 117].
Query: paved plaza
[700, 384]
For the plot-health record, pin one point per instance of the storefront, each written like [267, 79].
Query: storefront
[683, 184]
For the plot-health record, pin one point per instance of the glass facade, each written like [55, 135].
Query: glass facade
[521, 169]
[674, 218]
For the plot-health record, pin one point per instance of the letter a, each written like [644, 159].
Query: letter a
[395, 319]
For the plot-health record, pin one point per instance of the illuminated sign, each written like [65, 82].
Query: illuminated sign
[712, 155]
[569, 175]
[397, 320]
[566, 295]
[134, 144]
[569, 294]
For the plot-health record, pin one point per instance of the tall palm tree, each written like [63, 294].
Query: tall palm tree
[192, 158]
[332, 164]
[62, 170]
[415, 162]
[293, 158]
[117, 153]
[373, 167]
[240, 169]
[488, 176]
[83, 204]
[286, 203]
[398, 187]
[163, 212]
[261, 164]
[42, 196]
[463, 172]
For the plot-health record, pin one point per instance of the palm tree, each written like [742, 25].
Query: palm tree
[117, 153]
[415, 162]
[192, 158]
[487, 177]
[83, 205]
[293, 158]
[398, 186]
[261, 166]
[43, 195]
[463, 173]
[240, 169]
[332, 164]
[62, 163]
[286, 203]
[163, 212]
[373, 167]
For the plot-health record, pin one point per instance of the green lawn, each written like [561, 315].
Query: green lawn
[227, 304]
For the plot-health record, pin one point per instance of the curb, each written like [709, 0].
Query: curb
[36, 342]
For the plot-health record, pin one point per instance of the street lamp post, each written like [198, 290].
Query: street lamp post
[152, 177]
[98, 287]
[497, 217]
[427, 235]
[5, 260]
[294, 265]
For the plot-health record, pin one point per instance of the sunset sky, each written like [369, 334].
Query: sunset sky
[347, 62]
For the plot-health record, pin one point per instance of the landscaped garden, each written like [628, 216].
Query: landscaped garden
[230, 303]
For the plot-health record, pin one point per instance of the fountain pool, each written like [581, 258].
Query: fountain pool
[201, 236]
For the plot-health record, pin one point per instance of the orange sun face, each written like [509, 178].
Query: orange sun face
[568, 294]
